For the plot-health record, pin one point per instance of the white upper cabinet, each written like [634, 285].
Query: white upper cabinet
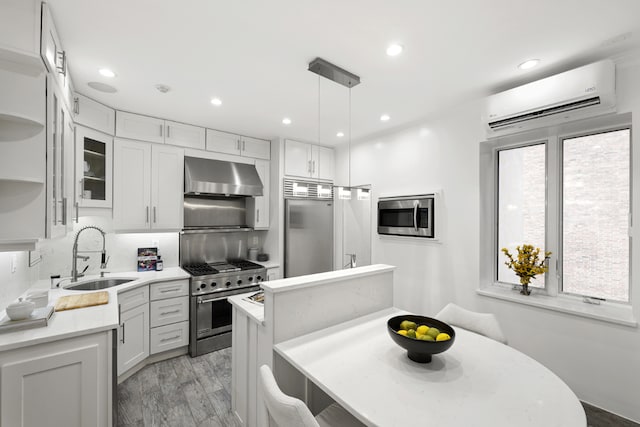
[136, 126]
[184, 135]
[167, 190]
[94, 160]
[223, 142]
[258, 207]
[308, 160]
[229, 143]
[93, 114]
[54, 56]
[322, 163]
[147, 186]
[60, 164]
[152, 129]
[20, 36]
[256, 148]
[131, 185]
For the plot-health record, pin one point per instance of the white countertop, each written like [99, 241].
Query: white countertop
[268, 264]
[477, 382]
[82, 321]
[252, 310]
[300, 282]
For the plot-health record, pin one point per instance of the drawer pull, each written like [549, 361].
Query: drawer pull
[164, 313]
[170, 339]
[164, 291]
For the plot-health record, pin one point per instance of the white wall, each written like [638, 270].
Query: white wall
[600, 361]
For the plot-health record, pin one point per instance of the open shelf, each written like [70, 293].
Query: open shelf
[21, 180]
[15, 127]
[93, 153]
[21, 62]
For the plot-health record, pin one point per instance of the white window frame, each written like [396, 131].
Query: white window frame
[550, 297]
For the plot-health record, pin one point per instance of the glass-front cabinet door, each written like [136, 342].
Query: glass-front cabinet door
[94, 156]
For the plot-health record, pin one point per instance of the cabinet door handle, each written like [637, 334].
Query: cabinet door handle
[154, 215]
[62, 68]
[309, 166]
[122, 333]
[164, 291]
[258, 215]
[76, 105]
[314, 167]
[169, 339]
[161, 130]
[164, 313]
[77, 212]
[238, 144]
[64, 211]
[243, 145]
[168, 131]
[82, 188]
[147, 217]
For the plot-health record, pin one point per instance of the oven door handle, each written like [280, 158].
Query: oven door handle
[205, 301]
[416, 204]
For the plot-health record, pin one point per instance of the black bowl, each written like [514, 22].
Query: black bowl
[418, 350]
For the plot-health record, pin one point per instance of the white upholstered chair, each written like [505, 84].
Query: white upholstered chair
[482, 323]
[288, 411]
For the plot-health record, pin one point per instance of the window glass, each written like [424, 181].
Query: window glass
[521, 205]
[595, 212]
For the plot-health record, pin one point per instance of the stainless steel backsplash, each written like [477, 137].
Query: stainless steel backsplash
[212, 247]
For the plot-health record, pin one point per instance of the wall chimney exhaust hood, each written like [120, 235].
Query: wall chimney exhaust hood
[215, 177]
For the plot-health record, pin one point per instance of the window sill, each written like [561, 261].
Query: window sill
[606, 312]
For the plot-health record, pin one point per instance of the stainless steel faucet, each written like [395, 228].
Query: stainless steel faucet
[75, 256]
[352, 261]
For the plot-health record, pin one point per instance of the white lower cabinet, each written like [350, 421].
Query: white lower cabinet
[133, 333]
[273, 273]
[169, 315]
[169, 311]
[61, 383]
[168, 337]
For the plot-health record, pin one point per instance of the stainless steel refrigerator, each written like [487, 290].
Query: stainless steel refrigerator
[308, 237]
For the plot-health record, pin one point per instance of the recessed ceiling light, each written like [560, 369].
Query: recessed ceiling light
[394, 49]
[216, 101]
[530, 63]
[384, 118]
[286, 121]
[340, 134]
[106, 72]
[162, 88]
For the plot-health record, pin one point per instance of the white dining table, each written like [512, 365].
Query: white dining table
[476, 382]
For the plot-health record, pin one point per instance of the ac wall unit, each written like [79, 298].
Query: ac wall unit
[576, 94]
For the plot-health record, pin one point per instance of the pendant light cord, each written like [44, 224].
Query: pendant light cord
[349, 165]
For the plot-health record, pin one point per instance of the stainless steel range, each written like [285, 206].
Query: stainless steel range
[215, 229]
[211, 285]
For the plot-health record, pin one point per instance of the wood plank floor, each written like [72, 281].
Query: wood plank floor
[179, 392]
[186, 392]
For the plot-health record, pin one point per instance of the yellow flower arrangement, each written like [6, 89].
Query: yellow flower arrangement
[528, 265]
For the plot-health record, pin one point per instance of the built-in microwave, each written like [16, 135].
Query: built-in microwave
[407, 215]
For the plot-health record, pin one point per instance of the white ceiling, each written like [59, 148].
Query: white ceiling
[253, 54]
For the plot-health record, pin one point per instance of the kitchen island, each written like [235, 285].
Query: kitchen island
[294, 307]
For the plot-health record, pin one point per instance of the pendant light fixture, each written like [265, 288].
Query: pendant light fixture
[341, 76]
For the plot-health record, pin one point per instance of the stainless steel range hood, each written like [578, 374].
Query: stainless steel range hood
[215, 177]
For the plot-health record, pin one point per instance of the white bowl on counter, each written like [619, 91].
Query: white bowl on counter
[20, 309]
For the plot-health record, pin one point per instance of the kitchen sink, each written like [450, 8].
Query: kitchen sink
[96, 284]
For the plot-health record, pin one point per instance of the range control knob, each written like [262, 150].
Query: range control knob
[259, 278]
[250, 279]
[239, 282]
[213, 284]
[227, 284]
